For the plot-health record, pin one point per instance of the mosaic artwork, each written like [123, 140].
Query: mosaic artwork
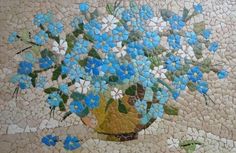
[116, 75]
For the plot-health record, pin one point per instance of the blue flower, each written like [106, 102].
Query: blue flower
[81, 46]
[50, 140]
[104, 42]
[156, 110]
[45, 62]
[125, 71]
[147, 79]
[55, 28]
[110, 64]
[134, 49]
[173, 63]
[64, 70]
[84, 7]
[127, 15]
[191, 38]
[206, 33]
[195, 74]
[213, 47]
[222, 74]
[146, 12]
[12, 37]
[202, 87]
[40, 19]
[75, 22]
[93, 28]
[198, 8]
[151, 40]
[29, 57]
[137, 25]
[174, 41]
[24, 67]
[120, 33]
[71, 143]
[64, 88]
[175, 94]
[100, 86]
[41, 37]
[24, 81]
[54, 99]
[141, 106]
[76, 107]
[71, 59]
[93, 66]
[145, 119]
[76, 72]
[162, 96]
[41, 81]
[180, 82]
[92, 101]
[176, 22]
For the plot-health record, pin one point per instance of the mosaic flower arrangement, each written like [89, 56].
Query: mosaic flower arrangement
[116, 69]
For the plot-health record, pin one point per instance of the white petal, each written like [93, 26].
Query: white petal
[55, 44]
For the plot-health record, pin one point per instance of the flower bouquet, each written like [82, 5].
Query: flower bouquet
[116, 71]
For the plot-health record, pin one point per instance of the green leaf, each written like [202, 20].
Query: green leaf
[199, 27]
[50, 90]
[25, 36]
[166, 14]
[70, 39]
[191, 86]
[36, 50]
[94, 14]
[93, 53]
[134, 6]
[113, 78]
[88, 37]
[198, 50]
[83, 62]
[135, 36]
[110, 8]
[84, 112]
[189, 145]
[108, 103]
[79, 30]
[121, 107]
[63, 76]
[62, 107]
[47, 53]
[77, 96]
[205, 66]
[131, 90]
[65, 98]
[171, 110]
[33, 78]
[56, 73]
[169, 76]
[66, 115]
[185, 13]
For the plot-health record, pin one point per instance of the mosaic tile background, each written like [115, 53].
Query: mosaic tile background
[25, 121]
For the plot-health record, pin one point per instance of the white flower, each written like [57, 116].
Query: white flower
[119, 50]
[116, 93]
[173, 143]
[82, 86]
[109, 23]
[186, 52]
[159, 72]
[61, 47]
[157, 24]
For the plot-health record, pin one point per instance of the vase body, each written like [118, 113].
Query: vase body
[114, 125]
